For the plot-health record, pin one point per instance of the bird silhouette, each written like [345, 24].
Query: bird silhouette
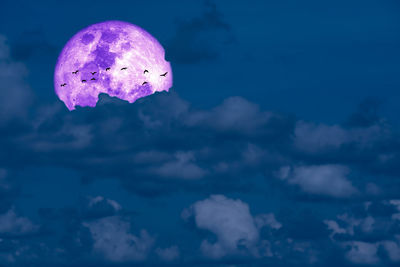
[165, 74]
[93, 79]
[83, 81]
[64, 84]
[144, 83]
[93, 73]
[75, 72]
[145, 71]
[107, 69]
[124, 68]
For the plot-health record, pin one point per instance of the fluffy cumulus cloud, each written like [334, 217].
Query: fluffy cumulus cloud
[363, 253]
[12, 224]
[368, 235]
[232, 223]
[111, 233]
[114, 241]
[328, 180]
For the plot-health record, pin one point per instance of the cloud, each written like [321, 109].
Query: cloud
[393, 249]
[351, 225]
[327, 180]
[151, 145]
[99, 206]
[396, 203]
[166, 139]
[114, 241]
[201, 38]
[235, 114]
[16, 93]
[31, 42]
[168, 254]
[363, 253]
[182, 166]
[369, 235]
[313, 138]
[267, 220]
[321, 138]
[12, 224]
[366, 114]
[232, 223]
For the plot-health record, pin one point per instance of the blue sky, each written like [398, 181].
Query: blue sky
[277, 145]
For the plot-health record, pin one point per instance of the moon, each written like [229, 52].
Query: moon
[112, 57]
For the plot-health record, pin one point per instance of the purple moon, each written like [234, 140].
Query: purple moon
[112, 57]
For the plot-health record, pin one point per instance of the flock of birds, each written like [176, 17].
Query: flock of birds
[107, 69]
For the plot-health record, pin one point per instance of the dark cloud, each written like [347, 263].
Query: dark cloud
[167, 144]
[15, 104]
[30, 43]
[200, 39]
[367, 113]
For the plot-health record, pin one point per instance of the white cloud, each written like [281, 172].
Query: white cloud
[183, 166]
[235, 114]
[334, 227]
[99, 199]
[317, 138]
[168, 254]
[10, 223]
[396, 203]
[231, 221]
[113, 240]
[312, 138]
[267, 220]
[363, 252]
[328, 180]
[349, 223]
[367, 253]
[393, 250]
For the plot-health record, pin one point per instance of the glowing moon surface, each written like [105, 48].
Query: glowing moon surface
[112, 57]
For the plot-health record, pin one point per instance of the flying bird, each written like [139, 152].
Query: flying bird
[93, 73]
[75, 72]
[124, 68]
[83, 81]
[165, 74]
[145, 71]
[93, 79]
[64, 84]
[144, 83]
[107, 69]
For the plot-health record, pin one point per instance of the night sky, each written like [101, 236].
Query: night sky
[278, 144]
